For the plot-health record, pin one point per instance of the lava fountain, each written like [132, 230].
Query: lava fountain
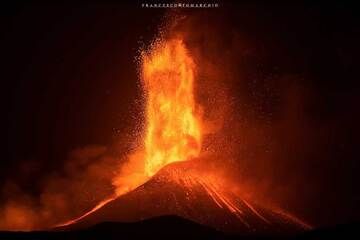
[173, 127]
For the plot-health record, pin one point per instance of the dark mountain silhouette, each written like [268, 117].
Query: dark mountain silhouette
[165, 227]
[174, 227]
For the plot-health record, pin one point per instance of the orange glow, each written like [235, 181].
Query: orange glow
[17, 217]
[173, 128]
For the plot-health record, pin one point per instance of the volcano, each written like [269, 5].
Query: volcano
[179, 189]
[171, 175]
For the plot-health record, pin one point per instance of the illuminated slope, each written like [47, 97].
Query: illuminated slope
[178, 189]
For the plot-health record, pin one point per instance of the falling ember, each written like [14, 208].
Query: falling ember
[173, 128]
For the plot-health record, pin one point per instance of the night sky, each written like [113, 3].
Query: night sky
[69, 79]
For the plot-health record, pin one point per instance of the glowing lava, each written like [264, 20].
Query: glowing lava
[173, 128]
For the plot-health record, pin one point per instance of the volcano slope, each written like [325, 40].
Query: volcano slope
[179, 189]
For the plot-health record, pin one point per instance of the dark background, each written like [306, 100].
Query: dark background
[69, 79]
